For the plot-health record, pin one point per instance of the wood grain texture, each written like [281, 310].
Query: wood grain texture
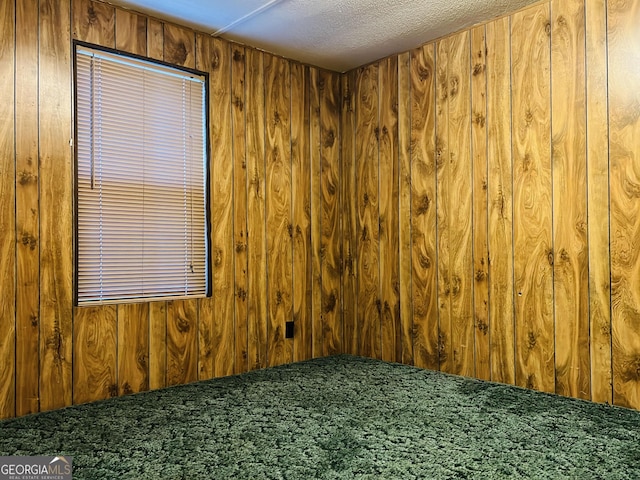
[179, 46]
[301, 211]
[500, 193]
[239, 206]
[598, 201]
[256, 215]
[349, 242]
[206, 315]
[155, 39]
[205, 61]
[278, 208]
[94, 22]
[389, 222]
[460, 213]
[27, 210]
[571, 262]
[404, 206]
[316, 220]
[7, 211]
[94, 353]
[367, 150]
[158, 345]
[624, 145]
[133, 348]
[330, 213]
[480, 203]
[182, 342]
[131, 32]
[423, 208]
[532, 202]
[216, 59]
[56, 255]
[443, 205]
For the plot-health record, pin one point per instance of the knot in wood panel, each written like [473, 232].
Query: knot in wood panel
[423, 204]
[329, 302]
[27, 178]
[183, 325]
[424, 73]
[329, 138]
[425, 262]
[454, 83]
[28, 240]
[238, 56]
[113, 390]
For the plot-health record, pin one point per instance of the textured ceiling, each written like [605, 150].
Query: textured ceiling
[334, 34]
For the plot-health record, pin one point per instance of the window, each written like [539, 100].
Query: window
[141, 179]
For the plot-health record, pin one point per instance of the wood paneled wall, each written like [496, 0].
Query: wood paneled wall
[493, 229]
[275, 205]
[470, 206]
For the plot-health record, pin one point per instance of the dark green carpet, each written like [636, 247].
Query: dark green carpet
[340, 417]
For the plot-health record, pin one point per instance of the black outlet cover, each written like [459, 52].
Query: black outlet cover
[288, 333]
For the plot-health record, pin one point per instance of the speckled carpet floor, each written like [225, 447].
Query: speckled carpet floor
[341, 417]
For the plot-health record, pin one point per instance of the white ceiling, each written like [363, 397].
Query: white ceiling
[334, 34]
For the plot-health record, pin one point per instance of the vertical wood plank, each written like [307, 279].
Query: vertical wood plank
[94, 353]
[624, 143]
[570, 269]
[56, 256]
[239, 206]
[182, 342]
[157, 345]
[216, 59]
[155, 39]
[301, 211]
[389, 224]
[278, 198]
[460, 212]
[206, 344]
[179, 46]
[367, 148]
[349, 272]
[443, 202]
[27, 207]
[480, 203]
[316, 220]
[256, 216]
[133, 348]
[131, 32]
[330, 211]
[533, 243]
[404, 208]
[205, 61]
[598, 201]
[423, 208]
[500, 193]
[7, 211]
[94, 22]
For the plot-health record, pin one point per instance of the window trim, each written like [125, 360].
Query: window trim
[207, 175]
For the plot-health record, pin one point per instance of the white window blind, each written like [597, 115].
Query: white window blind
[141, 180]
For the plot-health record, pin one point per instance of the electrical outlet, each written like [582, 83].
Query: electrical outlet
[288, 333]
